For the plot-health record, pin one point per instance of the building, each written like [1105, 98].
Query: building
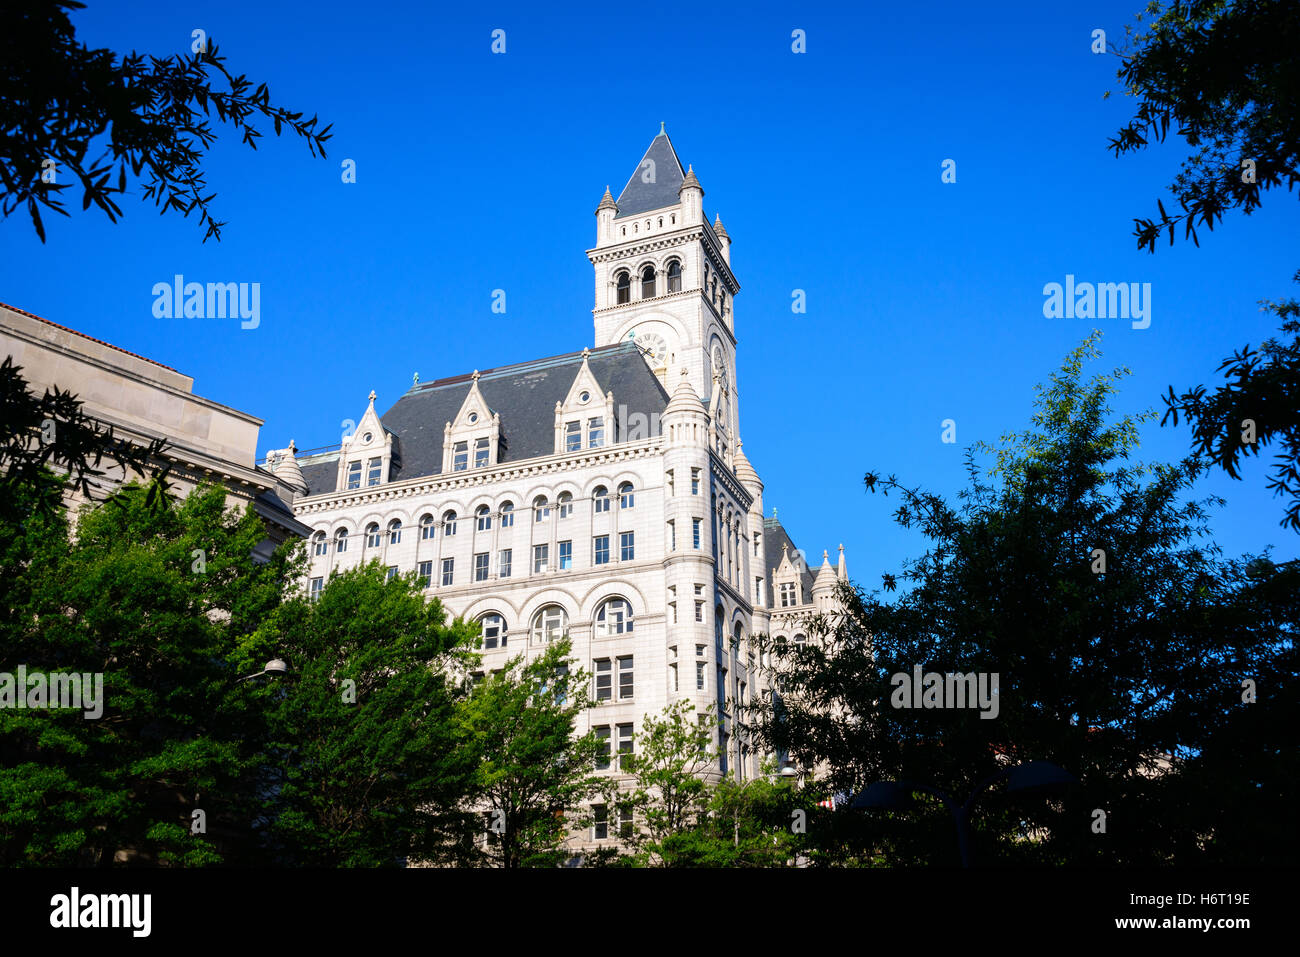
[602, 493]
[143, 400]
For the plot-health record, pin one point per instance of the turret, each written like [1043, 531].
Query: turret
[724, 240]
[692, 199]
[605, 214]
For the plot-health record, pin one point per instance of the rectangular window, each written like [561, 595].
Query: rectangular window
[566, 555]
[600, 822]
[392, 573]
[507, 515]
[426, 573]
[699, 651]
[481, 567]
[316, 585]
[602, 550]
[672, 536]
[354, 474]
[394, 534]
[573, 436]
[566, 505]
[625, 682]
[699, 611]
[504, 565]
[604, 680]
[540, 555]
[672, 677]
[695, 481]
[322, 546]
[481, 453]
[626, 546]
[625, 822]
[758, 590]
[602, 754]
[341, 542]
[372, 475]
[670, 482]
[484, 522]
[493, 632]
[699, 676]
[672, 612]
[460, 457]
[427, 528]
[787, 595]
[695, 532]
[595, 433]
[600, 503]
[447, 565]
[624, 745]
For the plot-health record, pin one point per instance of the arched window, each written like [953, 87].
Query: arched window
[541, 509]
[394, 531]
[625, 497]
[321, 546]
[448, 524]
[493, 630]
[674, 276]
[372, 535]
[483, 518]
[565, 501]
[799, 639]
[614, 617]
[648, 282]
[600, 498]
[624, 287]
[549, 624]
[426, 525]
[661, 222]
[507, 514]
[341, 540]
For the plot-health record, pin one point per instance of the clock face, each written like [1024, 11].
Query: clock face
[720, 366]
[654, 349]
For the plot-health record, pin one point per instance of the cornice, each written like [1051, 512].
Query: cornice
[474, 478]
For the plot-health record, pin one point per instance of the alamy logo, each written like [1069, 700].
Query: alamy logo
[1104, 300]
[102, 910]
[217, 300]
[59, 690]
[933, 690]
[637, 425]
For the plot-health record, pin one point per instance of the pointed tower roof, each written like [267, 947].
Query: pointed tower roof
[825, 575]
[640, 196]
[718, 228]
[607, 202]
[742, 467]
[689, 180]
[684, 397]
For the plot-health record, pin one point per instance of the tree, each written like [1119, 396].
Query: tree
[1119, 640]
[162, 603]
[368, 771]
[65, 107]
[669, 759]
[532, 773]
[1225, 75]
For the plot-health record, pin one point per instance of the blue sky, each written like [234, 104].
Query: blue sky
[478, 172]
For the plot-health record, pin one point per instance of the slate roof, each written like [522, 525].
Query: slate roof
[639, 197]
[774, 536]
[524, 394]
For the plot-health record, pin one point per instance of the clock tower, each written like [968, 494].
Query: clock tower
[664, 281]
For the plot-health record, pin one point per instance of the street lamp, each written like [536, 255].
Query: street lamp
[1031, 778]
[275, 666]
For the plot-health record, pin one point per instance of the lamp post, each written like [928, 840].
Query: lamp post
[275, 666]
[1030, 778]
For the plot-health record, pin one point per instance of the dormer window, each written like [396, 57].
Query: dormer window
[354, 474]
[674, 276]
[481, 452]
[624, 287]
[573, 436]
[460, 457]
[372, 474]
[648, 282]
[595, 433]
[789, 597]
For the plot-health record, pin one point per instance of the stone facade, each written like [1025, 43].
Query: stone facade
[603, 493]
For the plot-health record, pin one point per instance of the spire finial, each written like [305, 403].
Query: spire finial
[475, 375]
[661, 127]
[415, 379]
[373, 396]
